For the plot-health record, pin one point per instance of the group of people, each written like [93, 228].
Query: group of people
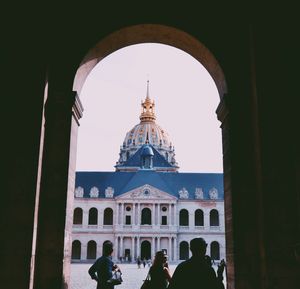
[197, 270]
[144, 262]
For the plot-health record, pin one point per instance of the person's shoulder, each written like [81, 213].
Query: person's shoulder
[102, 259]
[183, 264]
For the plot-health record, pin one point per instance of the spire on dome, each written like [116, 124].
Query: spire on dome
[147, 95]
[147, 108]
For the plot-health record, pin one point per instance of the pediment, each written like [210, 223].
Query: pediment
[146, 192]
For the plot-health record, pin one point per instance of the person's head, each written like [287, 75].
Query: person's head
[107, 248]
[198, 246]
[160, 258]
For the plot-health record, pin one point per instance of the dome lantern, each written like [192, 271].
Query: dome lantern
[147, 114]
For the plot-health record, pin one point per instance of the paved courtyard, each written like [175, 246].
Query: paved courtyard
[132, 276]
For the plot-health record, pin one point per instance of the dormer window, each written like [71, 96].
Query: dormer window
[147, 157]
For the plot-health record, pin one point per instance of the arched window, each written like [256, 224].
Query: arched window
[199, 220]
[91, 250]
[146, 216]
[215, 250]
[108, 216]
[93, 216]
[214, 218]
[76, 250]
[183, 217]
[183, 250]
[77, 216]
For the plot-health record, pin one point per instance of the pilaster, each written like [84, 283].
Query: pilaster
[55, 212]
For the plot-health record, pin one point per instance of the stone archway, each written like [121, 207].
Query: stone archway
[150, 33]
[64, 107]
[156, 33]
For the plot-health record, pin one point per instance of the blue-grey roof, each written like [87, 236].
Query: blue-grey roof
[170, 182]
[135, 160]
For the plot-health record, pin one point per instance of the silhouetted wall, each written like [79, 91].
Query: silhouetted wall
[259, 121]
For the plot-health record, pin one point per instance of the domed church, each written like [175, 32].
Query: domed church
[146, 204]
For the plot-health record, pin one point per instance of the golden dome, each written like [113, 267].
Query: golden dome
[138, 135]
[147, 132]
[147, 128]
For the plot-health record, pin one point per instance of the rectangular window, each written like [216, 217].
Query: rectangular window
[128, 220]
[164, 220]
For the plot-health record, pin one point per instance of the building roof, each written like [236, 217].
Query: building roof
[169, 182]
[135, 160]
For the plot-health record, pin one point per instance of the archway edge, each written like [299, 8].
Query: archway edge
[150, 33]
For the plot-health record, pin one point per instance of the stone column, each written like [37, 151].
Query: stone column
[85, 218]
[170, 248]
[175, 220]
[139, 214]
[132, 249]
[83, 252]
[153, 247]
[222, 221]
[55, 210]
[138, 246]
[158, 214]
[174, 215]
[158, 243]
[153, 215]
[170, 216]
[121, 247]
[98, 250]
[122, 214]
[100, 218]
[133, 214]
[206, 219]
[117, 214]
[175, 249]
[116, 247]
[191, 221]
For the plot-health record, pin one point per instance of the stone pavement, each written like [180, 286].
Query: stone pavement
[132, 276]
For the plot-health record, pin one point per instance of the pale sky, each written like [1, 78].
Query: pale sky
[185, 98]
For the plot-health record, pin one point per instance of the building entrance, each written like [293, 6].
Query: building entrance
[146, 250]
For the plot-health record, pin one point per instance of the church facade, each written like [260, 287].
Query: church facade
[146, 204]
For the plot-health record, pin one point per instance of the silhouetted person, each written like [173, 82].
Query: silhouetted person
[139, 262]
[197, 270]
[159, 272]
[101, 270]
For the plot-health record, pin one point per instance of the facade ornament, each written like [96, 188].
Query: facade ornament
[146, 192]
[94, 192]
[183, 193]
[213, 193]
[109, 192]
[79, 192]
[199, 193]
